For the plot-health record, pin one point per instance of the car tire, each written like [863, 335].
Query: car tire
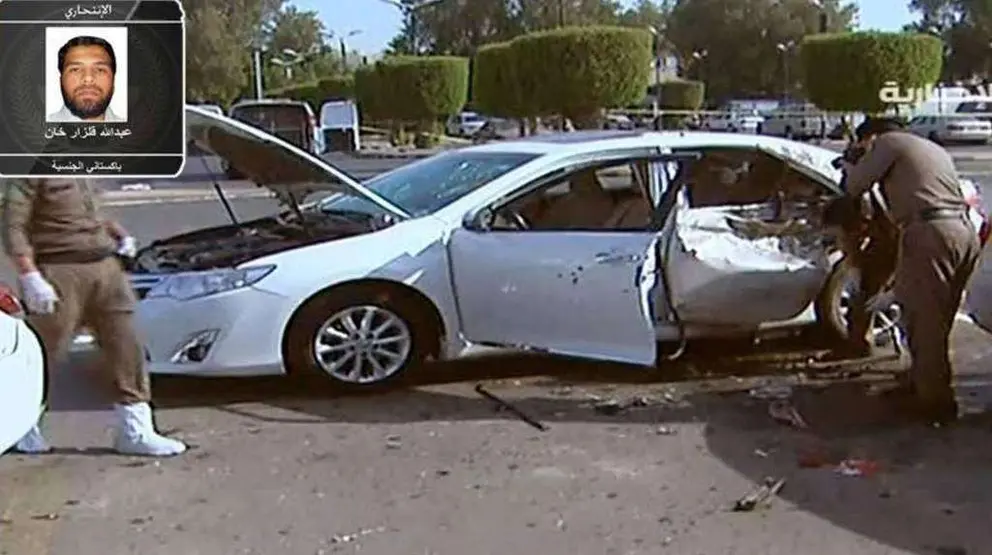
[831, 322]
[933, 136]
[788, 133]
[414, 337]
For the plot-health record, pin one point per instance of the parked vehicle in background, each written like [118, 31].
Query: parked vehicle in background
[212, 108]
[800, 121]
[979, 108]
[291, 120]
[22, 371]
[733, 122]
[339, 126]
[618, 121]
[952, 128]
[465, 124]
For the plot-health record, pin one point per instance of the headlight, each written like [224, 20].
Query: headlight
[184, 287]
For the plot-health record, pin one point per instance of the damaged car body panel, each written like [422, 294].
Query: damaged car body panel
[567, 263]
[746, 234]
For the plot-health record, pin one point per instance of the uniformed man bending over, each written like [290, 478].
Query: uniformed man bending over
[64, 252]
[939, 250]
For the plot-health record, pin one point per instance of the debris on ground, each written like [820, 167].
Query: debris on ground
[771, 392]
[784, 411]
[858, 467]
[761, 453]
[666, 431]
[46, 516]
[507, 406]
[393, 442]
[759, 497]
[349, 538]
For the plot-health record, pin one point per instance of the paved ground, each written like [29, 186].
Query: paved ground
[284, 468]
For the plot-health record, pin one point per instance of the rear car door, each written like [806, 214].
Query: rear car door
[745, 245]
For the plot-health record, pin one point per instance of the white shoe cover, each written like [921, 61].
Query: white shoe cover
[32, 443]
[136, 433]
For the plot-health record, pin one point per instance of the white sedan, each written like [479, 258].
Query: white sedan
[600, 244]
[22, 372]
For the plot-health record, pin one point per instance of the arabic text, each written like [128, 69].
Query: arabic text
[95, 10]
[87, 131]
[79, 166]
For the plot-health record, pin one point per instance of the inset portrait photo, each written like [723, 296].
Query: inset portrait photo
[86, 74]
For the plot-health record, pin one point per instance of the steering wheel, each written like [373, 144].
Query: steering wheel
[513, 218]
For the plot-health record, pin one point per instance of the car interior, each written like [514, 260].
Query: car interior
[613, 197]
[617, 197]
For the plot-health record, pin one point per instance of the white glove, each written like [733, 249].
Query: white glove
[39, 295]
[127, 247]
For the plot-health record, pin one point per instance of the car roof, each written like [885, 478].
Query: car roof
[580, 142]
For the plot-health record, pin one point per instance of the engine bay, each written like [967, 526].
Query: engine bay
[230, 245]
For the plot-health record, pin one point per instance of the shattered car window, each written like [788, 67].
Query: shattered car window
[429, 185]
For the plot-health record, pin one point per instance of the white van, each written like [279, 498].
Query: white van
[339, 126]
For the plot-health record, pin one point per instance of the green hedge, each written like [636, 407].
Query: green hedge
[368, 94]
[680, 94]
[413, 88]
[328, 88]
[572, 71]
[846, 71]
[496, 86]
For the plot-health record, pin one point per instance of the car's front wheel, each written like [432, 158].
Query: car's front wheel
[833, 308]
[357, 339]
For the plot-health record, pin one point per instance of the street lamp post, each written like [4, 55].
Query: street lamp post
[292, 58]
[344, 47]
[656, 102]
[785, 48]
[411, 10]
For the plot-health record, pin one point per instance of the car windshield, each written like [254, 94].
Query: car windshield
[429, 185]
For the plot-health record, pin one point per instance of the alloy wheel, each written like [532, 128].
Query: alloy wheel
[363, 344]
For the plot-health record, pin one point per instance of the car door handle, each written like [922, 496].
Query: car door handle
[617, 258]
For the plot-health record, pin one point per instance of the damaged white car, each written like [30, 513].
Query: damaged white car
[602, 245]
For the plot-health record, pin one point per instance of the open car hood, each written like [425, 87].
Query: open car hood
[291, 173]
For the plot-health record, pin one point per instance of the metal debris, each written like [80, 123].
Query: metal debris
[759, 497]
[349, 538]
[393, 442]
[666, 431]
[771, 392]
[857, 467]
[505, 405]
[46, 516]
[785, 412]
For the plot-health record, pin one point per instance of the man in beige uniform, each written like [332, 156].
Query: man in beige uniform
[939, 250]
[64, 252]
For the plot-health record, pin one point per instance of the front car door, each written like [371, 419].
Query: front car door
[567, 264]
[745, 246]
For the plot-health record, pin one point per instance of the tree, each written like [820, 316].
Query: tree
[460, 27]
[414, 89]
[733, 45]
[578, 71]
[846, 71]
[217, 39]
[966, 27]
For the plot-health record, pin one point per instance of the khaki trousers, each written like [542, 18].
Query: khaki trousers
[936, 261]
[97, 295]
